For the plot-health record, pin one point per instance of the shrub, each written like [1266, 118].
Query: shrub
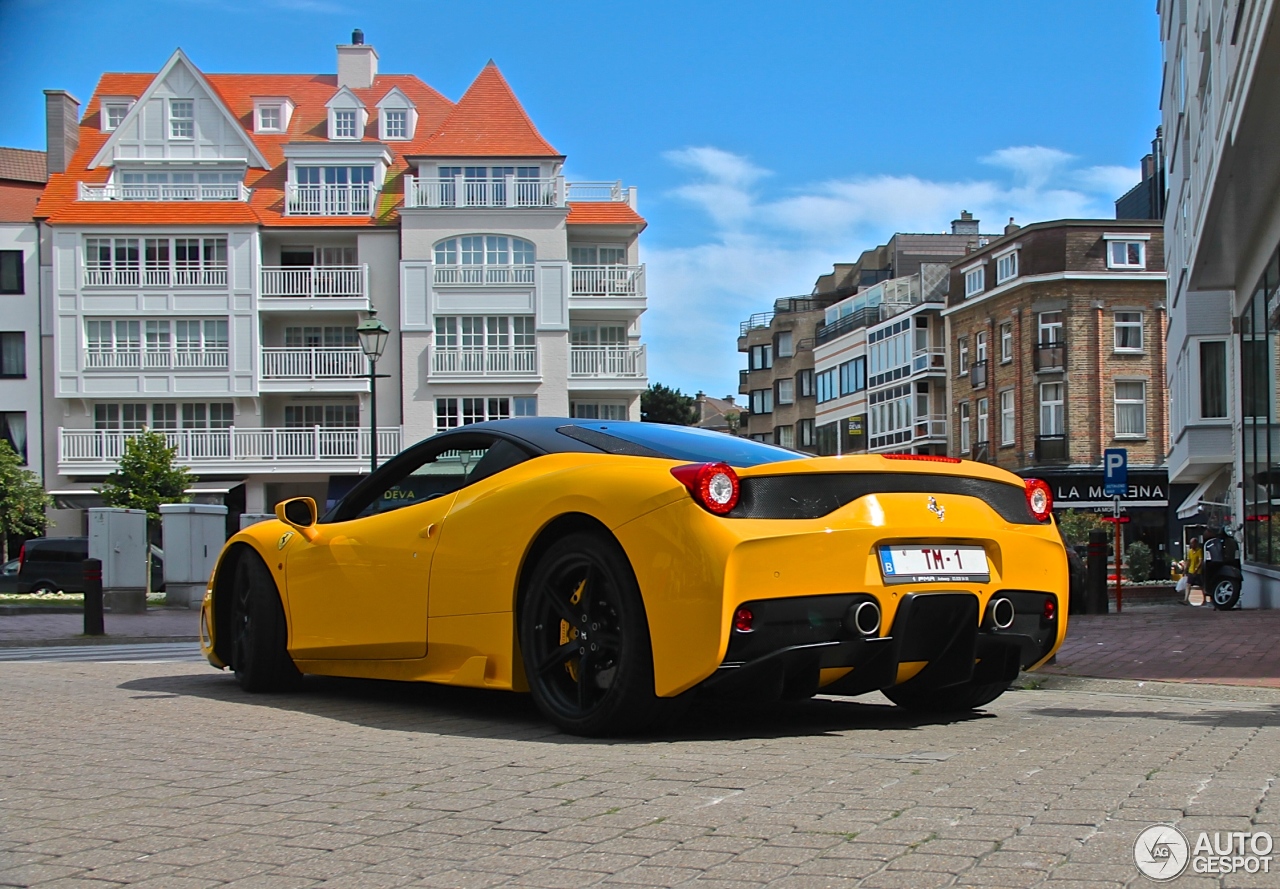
[1137, 556]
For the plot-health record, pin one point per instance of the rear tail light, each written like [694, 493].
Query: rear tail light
[1050, 609]
[744, 620]
[713, 485]
[930, 458]
[22, 556]
[1039, 499]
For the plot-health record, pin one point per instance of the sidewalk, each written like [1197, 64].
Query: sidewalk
[1174, 643]
[157, 625]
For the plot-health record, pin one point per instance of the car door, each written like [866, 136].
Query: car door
[359, 588]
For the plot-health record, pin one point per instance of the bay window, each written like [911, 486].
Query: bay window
[484, 259]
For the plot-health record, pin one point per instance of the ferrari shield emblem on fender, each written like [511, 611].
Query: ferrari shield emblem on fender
[939, 511]
[284, 539]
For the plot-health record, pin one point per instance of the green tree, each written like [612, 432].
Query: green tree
[22, 499]
[1077, 525]
[146, 476]
[658, 404]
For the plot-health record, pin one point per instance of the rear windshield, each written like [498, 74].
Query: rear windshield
[678, 443]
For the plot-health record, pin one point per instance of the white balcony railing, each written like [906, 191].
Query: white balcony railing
[458, 191]
[485, 362]
[329, 200]
[349, 281]
[155, 276]
[301, 363]
[597, 191]
[203, 447]
[606, 361]
[232, 192]
[929, 426]
[929, 360]
[483, 274]
[156, 359]
[608, 280]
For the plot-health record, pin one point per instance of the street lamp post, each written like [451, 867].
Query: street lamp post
[373, 339]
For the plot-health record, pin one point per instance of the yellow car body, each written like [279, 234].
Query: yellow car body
[431, 591]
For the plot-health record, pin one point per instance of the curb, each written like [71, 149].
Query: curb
[95, 640]
[1146, 688]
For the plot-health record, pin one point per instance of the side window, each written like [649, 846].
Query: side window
[431, 473]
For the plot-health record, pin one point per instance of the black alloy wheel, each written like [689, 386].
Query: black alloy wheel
[259, 634]
[43, 588]
[585, 639]
[952, 699]
[1225, 594]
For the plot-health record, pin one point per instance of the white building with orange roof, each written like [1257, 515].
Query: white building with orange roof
[214, 239]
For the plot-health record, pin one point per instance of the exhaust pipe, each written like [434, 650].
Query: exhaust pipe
[1001, 613]
[866, 618]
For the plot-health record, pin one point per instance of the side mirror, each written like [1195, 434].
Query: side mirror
[299, 512]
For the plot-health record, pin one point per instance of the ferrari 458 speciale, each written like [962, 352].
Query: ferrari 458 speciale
[613, 568]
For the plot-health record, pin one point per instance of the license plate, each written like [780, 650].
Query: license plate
[924, 564]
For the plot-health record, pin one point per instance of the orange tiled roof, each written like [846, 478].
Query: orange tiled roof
[489, 121]
[603, 213]
[18, 201]
[22, 165]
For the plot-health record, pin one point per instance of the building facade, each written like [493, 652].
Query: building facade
[22, 177]
[1222, 239]
[215, 239]
[1056, 335]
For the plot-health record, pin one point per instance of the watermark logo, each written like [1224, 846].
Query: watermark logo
[1161, 852]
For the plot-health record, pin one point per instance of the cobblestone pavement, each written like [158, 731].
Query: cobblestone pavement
[1175, 643]
[167, 776]
[67, 629]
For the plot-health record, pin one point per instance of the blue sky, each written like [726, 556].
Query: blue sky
[767, 140]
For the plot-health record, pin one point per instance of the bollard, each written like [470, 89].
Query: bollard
[1096, 596]
[93, 597]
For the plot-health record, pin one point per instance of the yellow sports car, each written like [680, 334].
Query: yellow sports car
[609, 568]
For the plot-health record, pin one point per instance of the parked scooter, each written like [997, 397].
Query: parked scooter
[1221, 570]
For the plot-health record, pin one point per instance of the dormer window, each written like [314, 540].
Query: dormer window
[113, 115]
[395, 124]
[182, 119]
[269, 119]
[344, 124]
[1127, 250]
[974, 281]
[271, 114]
[1007, 266]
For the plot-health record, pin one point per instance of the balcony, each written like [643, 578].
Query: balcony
[978, 374]
[608, 280]
[481, 275]
[1051, 448]
[607, 362]
[155, 275]
[862, 317]
[330, 200]
[312, 449]
[234, 192]
[755, 322]
[156, 359]
[1050, 357]
[497, 362]
[290, 287]
[929, 360]
[594, 192]
[929, 427]
[283, 368]
[460, 192]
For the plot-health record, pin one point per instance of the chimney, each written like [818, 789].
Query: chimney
[965, 225]
[1011, 227]
[61, 129]
[357, 63]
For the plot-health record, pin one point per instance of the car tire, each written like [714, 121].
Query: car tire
[259, 633]
[952, 699]
[1225, 594]
[584, 638]
[42, 587]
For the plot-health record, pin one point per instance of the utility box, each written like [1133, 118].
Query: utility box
[118, 537]
[193, 536]
[252, 518]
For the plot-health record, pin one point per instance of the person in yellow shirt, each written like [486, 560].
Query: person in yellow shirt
[1195, 565]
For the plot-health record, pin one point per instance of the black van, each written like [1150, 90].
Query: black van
[49, 564]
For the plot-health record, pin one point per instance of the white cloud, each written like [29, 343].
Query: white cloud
[762, 246]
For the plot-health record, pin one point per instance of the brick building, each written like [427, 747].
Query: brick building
[1056, 335]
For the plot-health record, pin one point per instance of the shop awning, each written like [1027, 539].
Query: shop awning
[1208, 493]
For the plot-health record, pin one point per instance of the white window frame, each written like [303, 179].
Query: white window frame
[964, 428]
[387, 133]
[975, 281]
[1125, 240]
[1008, 423]
[962, 360]
[1195, 349]
[980, 347]
[261, 124]
[1117, 324]
[983, 415]
[786, 391]
[1060, 424]
[1129, 403]
[175, 120]
[110, 103]
[1058, 327]
[340, 118]
[1006, 342]
[1006, 266]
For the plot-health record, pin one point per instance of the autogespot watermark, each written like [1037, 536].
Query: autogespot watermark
[1162, 852]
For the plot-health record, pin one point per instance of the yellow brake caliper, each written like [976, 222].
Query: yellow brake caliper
[568, 633]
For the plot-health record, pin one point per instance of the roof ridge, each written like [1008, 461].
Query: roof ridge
[489, 120]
